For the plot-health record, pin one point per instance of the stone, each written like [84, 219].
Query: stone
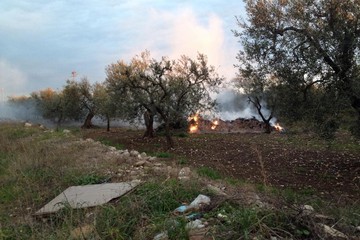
[140, 163]
[216, 190]
[66, 131]
[134, 153]
[143, 155]
[307, 209]
[184, 173]
[332, 232]
[27, 124]
[112, 149]
[83, 232]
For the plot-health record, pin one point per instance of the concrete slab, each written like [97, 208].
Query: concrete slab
[87, 196]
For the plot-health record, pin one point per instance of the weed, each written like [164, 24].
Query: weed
[90, 179]
[107, 142]
[182, 161]
[163, 155]
[209, 173]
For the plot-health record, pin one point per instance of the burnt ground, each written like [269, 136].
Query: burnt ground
[296, 161]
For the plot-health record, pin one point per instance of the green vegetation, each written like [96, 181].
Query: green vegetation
[107, 142]
[209, 173]
[45, 163]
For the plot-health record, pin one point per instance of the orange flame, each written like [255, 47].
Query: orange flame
[278, 127]
[194, 123]
[214, 124]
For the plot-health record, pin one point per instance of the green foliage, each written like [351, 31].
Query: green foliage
[209, 173]
[163, 155]
[107, 142]
[150, 201]
[304, 73]
[90, 179]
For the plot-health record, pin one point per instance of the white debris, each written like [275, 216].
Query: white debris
[134, 153]
[27, 124]
[184, 173]
[195, 224]
[66, 131]
[332, 231]
[200, 201]
[87, 196]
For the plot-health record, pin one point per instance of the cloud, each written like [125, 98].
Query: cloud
[12, 80]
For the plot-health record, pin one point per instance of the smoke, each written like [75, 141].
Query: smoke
[233, 105]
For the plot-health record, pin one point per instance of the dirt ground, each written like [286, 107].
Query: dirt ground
[281, 160]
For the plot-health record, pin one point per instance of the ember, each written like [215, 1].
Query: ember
[197, 124]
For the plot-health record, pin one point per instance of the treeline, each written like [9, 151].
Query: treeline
[166, 90]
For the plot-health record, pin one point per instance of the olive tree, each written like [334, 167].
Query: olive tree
[306, 51]
[168, 89]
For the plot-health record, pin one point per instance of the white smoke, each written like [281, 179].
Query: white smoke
[233, 105]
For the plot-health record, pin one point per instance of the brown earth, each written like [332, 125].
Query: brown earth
[296, 161]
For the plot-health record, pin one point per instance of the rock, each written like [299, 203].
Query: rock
[27, 124]
[216, 190]
[307, 209]
[112, 149]
[184, 173]
[161, 236]
[332, 232]
[66, 131]
[89, 140]
[358, 228]
[152, 158]
[125, 154]
[83, 232]
[143, 155]
[140, 163]
[134, 153]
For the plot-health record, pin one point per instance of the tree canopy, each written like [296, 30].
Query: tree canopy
[306, 53]
[168, 89]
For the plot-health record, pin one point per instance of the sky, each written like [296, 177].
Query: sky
[42, 42]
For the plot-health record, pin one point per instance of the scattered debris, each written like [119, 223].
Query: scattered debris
[195, 224]
[83, 232]
[184, 173]
[332, 232]
[87, 196]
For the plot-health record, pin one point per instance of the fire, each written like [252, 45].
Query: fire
[194, 123]
[278, 127]
[214, 124]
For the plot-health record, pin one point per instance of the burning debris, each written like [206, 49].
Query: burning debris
[198, 124]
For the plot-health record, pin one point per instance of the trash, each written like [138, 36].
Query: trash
[87, 196]
[195, 224]
[193, 216]
[200, 201]
[161, 236]
[182, 209]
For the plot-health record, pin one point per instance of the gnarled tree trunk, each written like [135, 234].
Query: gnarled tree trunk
[149, 123]
[88, 123]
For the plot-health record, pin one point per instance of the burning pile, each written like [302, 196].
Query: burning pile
[197, 124]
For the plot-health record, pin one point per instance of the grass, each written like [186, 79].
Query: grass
[107, 142]
[36, 166]
[209, 173]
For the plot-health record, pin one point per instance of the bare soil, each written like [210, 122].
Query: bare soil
[296, 161]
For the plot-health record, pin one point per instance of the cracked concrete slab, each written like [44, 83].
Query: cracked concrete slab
[87, 196]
